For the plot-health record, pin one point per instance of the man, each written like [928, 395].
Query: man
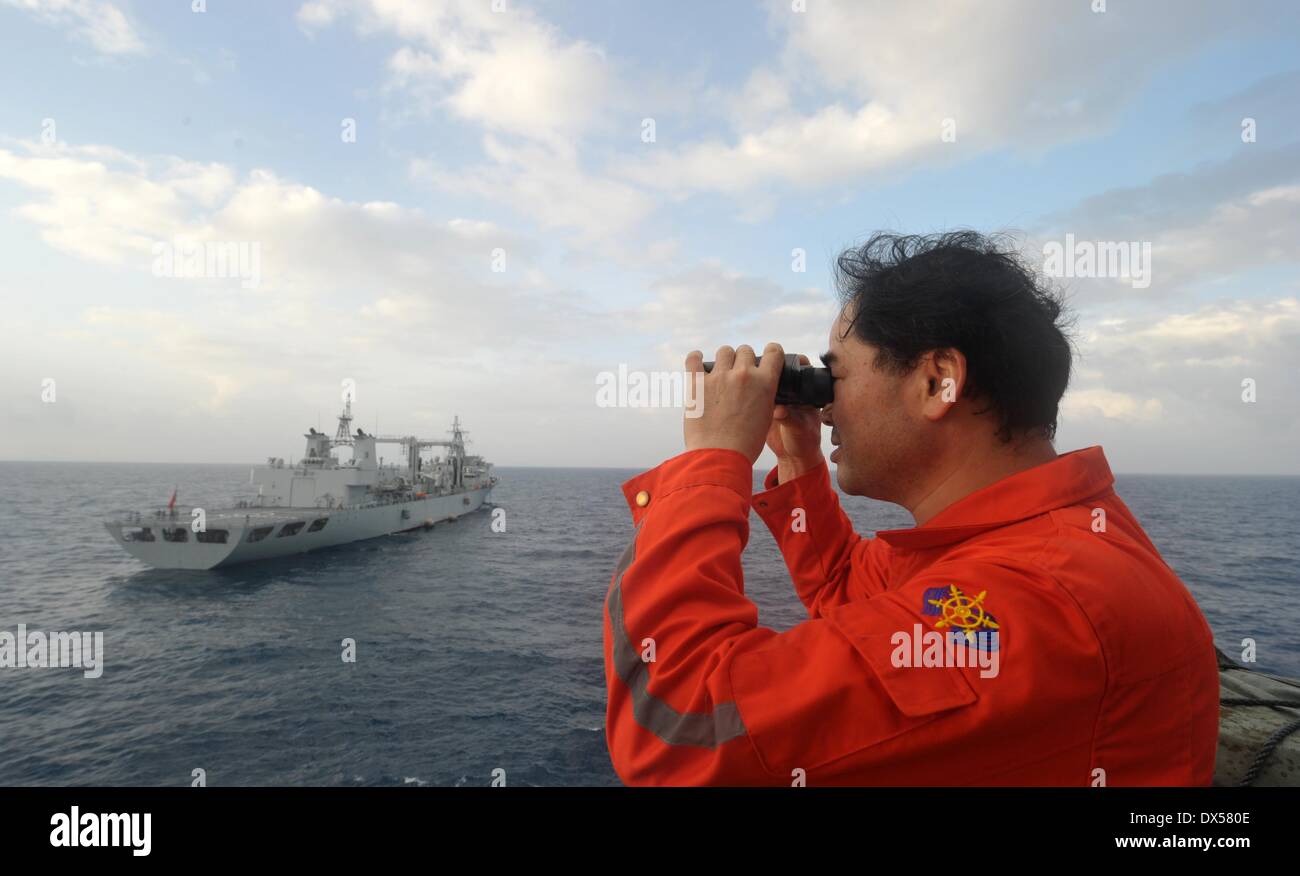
[1024, 632]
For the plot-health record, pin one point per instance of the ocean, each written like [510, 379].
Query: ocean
[476, 651]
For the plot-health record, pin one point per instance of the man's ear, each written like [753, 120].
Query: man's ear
[944, 375]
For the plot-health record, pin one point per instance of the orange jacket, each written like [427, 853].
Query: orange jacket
[1105, 669]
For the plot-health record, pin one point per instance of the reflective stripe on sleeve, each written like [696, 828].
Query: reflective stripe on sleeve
[705, 729]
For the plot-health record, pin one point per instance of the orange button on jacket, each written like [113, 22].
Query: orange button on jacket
[1105, 670]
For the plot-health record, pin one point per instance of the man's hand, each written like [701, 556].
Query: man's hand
[738, 400]
[796, 438]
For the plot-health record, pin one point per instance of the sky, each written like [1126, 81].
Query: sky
[476, 208]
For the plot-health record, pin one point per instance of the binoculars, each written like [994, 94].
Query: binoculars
[800, 384]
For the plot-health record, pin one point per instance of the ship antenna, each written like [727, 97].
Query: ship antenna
[344, 433]
[458, 434]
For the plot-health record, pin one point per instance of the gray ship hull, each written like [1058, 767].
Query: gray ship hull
[243, 535]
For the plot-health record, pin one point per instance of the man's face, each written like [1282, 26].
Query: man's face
[882, 446]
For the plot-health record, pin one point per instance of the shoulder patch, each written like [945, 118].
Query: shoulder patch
[960, 614]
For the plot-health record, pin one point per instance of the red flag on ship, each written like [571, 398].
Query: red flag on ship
[171, 503]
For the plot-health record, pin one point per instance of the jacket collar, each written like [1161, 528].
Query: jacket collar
[1067, 480]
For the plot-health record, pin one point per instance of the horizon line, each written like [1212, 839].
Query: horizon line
[763, 469]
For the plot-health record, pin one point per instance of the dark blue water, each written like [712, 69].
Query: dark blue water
[476, 650]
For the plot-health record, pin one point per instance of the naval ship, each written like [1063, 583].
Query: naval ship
[319, 502]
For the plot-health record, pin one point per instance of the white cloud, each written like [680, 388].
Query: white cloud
[1111, 405]
[1173, 385]
[546, 185]
[538, 97]
[1244, 325]
[876, 81]
[405, 303]
[508, 71]
[833, 143]
[100, 204]
[101, 23]
[1206, 226]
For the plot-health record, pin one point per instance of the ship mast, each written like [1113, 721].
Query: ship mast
[344, 434]
[457, 452]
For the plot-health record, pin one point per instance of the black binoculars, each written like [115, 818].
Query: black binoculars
[800, 384]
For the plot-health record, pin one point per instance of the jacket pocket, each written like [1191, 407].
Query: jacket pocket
[828, 689]
[872, 627]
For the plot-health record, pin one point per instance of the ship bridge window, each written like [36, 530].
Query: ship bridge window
[176, 533]
[142, 534]
[212, 536]
[318, 524]
[291, 528]
[260, 533]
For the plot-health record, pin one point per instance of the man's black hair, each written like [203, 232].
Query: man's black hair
[911, 294]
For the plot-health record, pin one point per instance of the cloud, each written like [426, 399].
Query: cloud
[861, 88]
[1269, 102]
[548, 186]
[101, 23]
[1171, 388]
[1111, 405]
[1211, 224]
[98, 203]
[834, 143]
[1225, 330]
[708, 305]
[508, 71]
[405, 303]
[106, 206]
[1162, 371]
[365, 278]
[538, 97]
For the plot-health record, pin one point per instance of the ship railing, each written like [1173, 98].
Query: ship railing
[181, 513]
